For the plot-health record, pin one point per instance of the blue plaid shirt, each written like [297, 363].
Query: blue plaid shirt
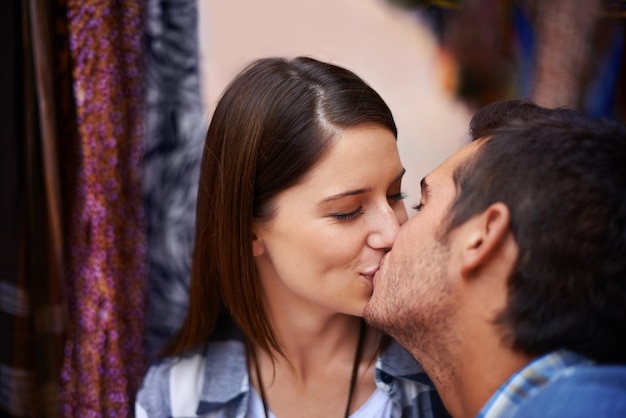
[214, 382]
[530, 379]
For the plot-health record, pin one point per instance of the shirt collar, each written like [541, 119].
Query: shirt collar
[229, 380]
[398, 362]
[528, 380]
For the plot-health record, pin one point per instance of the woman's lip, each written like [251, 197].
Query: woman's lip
[369, 274]
[378, 269]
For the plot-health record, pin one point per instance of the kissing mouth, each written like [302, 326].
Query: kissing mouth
[382, 260]
[369, 274]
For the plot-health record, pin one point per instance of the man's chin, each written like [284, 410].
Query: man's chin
[372, 315]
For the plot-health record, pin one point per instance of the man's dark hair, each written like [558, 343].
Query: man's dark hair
[563, 177]
[507, 112]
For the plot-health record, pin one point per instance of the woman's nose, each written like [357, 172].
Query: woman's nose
[385, 227]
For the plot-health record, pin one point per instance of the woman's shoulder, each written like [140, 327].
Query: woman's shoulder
[153, 398]
[183, 383]
[161, 370]
[191, 365]
[226, 344]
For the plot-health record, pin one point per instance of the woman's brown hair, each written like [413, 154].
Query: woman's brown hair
[272, 125]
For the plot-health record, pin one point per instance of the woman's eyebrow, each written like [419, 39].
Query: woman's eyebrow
[359, 191]
[344, 194]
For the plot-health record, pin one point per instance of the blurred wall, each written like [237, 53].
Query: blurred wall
[388, 47]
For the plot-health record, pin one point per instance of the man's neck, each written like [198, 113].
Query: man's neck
[468, 376]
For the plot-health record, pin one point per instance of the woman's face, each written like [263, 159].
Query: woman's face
[324, 243]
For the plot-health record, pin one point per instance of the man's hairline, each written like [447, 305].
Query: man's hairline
[446, 227]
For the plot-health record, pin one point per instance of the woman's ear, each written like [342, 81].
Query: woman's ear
[258, 246]
[486, 232]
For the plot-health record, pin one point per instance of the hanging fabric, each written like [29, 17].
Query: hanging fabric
[16, 366]
[176, 129]
[104, 360]
[33, 311]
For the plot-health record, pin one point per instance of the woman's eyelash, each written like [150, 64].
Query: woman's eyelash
[418, 207]
[398, 196]
[355, 214]
[349, 216]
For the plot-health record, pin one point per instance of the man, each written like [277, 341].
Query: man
[509, 284]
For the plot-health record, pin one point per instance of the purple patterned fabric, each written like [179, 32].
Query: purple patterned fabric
[104, 359]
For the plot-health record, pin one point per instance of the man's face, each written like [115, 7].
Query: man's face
[415, 290]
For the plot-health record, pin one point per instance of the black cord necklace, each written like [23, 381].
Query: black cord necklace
[353, 377]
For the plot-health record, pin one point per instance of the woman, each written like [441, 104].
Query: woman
[299, 198]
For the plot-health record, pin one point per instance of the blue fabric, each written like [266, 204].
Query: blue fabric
[595, 391]
[526, 43]
[599, 100]
[559, 383]
[525, 382]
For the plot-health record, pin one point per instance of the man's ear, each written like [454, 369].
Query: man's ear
[487, 232]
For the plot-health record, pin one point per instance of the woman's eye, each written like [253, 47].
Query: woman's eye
[349, 216]
[397, 197]
[418, 207]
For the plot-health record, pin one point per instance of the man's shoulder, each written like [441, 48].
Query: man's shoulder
[598, 391]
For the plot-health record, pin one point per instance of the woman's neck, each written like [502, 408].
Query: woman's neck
[310, 343]
[330, 362]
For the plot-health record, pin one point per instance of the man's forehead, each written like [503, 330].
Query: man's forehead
[448, 166]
